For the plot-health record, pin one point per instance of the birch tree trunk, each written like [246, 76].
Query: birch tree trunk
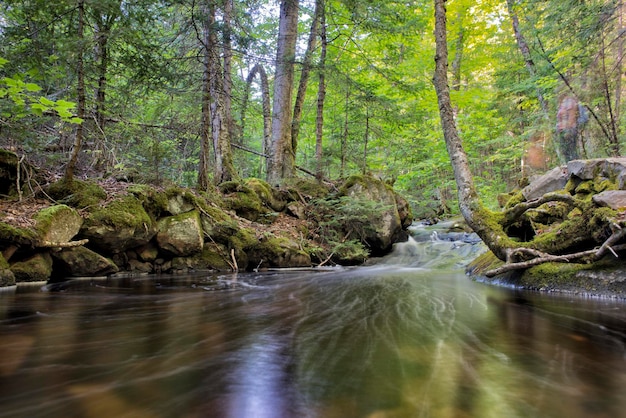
[282, 156]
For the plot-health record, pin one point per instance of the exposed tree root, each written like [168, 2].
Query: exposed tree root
[541, 257]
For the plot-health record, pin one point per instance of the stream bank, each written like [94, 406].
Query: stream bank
[110, 227]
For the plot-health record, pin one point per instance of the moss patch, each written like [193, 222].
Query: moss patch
[126, 211]
[78, 194]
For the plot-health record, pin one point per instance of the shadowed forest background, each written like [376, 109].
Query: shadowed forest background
[189, 91]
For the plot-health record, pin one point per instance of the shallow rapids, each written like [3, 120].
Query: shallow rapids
[408, 337]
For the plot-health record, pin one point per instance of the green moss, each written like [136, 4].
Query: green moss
[13, 235]
[549, 276]
[305, 187]
[125, 211]
[514, 199]
[78, 194]
[483, 263]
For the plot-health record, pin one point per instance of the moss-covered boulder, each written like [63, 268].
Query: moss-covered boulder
[77, 194]
[181, 235]
[36, 268]
[7, 278]
[82, 262]
[179, 201]
[386, 225]
[118, 226]
[243, 200]
[14, 236]
[273, 251]
[57, 224]
[212, 257]
[269, 196]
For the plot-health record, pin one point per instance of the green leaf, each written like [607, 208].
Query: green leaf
[32, 87]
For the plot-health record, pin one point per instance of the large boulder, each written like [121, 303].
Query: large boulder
[58, 223]
[385, 225]
[118, 226]
[553, 180]
[82, 262]
[36, 268]
[181, 235]
[273, 251]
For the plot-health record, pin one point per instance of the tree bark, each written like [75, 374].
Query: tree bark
[80, 68]
[321, 95]
[525, 51]
[265, 100]
[282, 157]
[470, 206]
[228, 80]
[205, 125]
[224, 169]
[304, 75]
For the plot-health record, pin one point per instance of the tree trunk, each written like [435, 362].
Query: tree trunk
[205, 125]
[525, 50]
[228, 81]
[471, 208]
[321, 95]
[282, 157]
[458, 52]
[265, 99]
[224, 169]
[80, 68]
[103, 32]
[304, 75]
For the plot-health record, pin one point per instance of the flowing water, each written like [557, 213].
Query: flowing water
[411, 336]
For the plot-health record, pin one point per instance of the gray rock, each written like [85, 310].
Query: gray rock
[82, 262]
[58, 223]
[35, 268]
[599, 167]
[553, 180]
[179, 203]
[388, 225]
[614, 199]
[181, 235]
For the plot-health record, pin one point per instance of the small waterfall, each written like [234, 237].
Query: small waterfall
[432, 247]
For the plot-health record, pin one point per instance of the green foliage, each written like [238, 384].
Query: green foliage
[343, 222]
[19, 99]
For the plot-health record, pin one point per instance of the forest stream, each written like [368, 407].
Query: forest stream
[409, 336]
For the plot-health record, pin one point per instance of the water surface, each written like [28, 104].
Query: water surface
[409, 338]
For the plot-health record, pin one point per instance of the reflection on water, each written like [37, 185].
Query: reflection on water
[380, 341]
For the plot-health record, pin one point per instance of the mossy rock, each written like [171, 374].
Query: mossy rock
[35, 268]
[280, 252]
[307, 188]
[181, 235]
[77, 194]
[11, 235]
[7, 278]
[82, 262]
[243, 200]
[58, 223]
[120, 225]
[153, 200]
[269, 196]
[179, 200]
[213, 257]
[350, 253]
